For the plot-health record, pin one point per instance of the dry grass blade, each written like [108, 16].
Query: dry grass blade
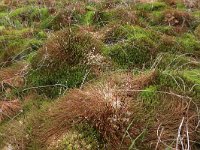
[8, 109]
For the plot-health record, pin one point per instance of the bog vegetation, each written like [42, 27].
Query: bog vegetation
[99, 74]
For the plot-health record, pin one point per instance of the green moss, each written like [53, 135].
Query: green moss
[18, 33]
[189, 43]
[118, 15]
[85, 138]
[196, 20]
[90, 135]
[61, 20]
[192, 75]
[130, 45]
[125, 32]
[55, 82]
[17, 49]
[131, 53]
[183, 82]
[42, 35]
[181, 6]
[196, 14]
[101, 18]
[116, 34]
[49, 23]
[186, 43]
[88, 18]
[192, 79]
[3, 14]
[151, 6]
[165, 81]
[29, 12]
[26, 15]
[6, 21]
[30, 56]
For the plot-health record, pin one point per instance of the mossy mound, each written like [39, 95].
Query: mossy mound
[71, 13]
[189, 43]
[83, 137]
[130, 46]
[17, 44]
[192, 78]
[24, 17]
[67, 62]
[140, 109]
[185, 43]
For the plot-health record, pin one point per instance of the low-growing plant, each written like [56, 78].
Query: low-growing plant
[130, 46]
[149, 96]
[66, 63]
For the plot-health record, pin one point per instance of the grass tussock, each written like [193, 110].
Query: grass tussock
[105, 107]
[115, 109]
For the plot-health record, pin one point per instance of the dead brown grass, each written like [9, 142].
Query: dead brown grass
[70, 47]
[126, 16]
[172, 2]
[8, 109]
[192, 3]
[14, 75]
[111, 105]
[105, 106]
[164, 130]
[177, 18]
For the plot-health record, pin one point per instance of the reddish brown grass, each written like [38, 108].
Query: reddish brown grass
[14, 75]
[8, 109]
[111, 105]
[105, 106]
[70, 47]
